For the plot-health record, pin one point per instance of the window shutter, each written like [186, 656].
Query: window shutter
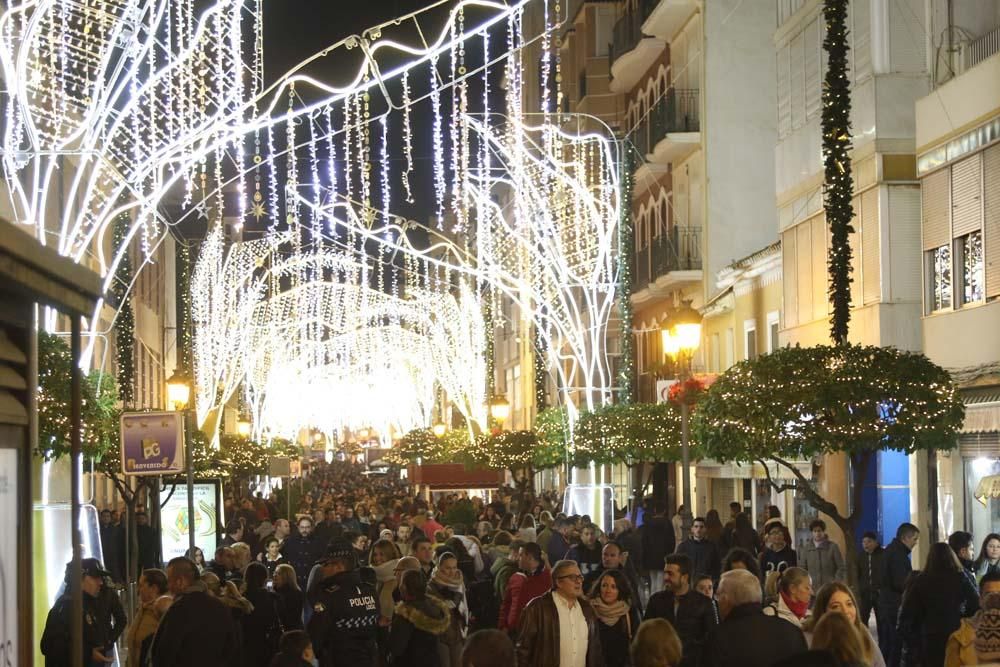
[870, 251]
[788, 277]
[813, 86]
[803, 253]
[819, 267]
[797, 68]
[966, 195]
[862, 37]
[784, 93]
[854, 239]
[935, 190]
[991, 219]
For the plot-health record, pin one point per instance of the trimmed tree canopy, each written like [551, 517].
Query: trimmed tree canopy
[629, 434]
[802, 401]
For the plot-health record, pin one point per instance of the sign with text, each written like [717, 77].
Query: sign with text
[663, 390]
[279, 466]
[152, 443]
[174, 520]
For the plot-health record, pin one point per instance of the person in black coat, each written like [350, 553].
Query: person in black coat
[691, 613]
[612, 599]
[303, 550]
[197, 630]
[869, 577]
[291, 599]
[417, 622]
[657, 539]
[896, 568]
[932, 609]
[294, 650]
[704, 553]
[746, 637]
[262, 627]
[56, 644]
[961, 543]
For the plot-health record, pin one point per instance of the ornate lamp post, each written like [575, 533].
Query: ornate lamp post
[179, 395]
[499, 409]
[681, 333]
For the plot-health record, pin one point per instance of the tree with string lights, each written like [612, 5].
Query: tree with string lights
[808, 402]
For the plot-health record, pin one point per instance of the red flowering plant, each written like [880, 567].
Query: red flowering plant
[689, 391]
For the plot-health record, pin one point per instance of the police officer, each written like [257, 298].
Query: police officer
[345, 610]
[56, 640]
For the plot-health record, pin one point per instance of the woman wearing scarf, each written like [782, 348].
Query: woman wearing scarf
[794, 594]
[384, 559]
[448, 586]
[611, 600]
[417, 625]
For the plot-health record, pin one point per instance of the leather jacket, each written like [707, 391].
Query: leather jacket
[538, 639]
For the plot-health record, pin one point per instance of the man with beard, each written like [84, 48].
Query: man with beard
[302, 550]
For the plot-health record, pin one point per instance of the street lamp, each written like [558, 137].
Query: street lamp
[243, 426]
[439, 429]
[179, 395]
[681, 333]
[499, 409]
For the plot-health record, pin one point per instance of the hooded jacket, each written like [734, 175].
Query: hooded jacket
[416, 626]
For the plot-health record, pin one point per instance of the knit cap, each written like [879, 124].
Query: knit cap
[987, 641]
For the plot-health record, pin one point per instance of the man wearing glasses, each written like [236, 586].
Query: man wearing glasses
[560, 628]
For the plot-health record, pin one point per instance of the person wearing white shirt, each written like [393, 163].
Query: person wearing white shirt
[560, 627]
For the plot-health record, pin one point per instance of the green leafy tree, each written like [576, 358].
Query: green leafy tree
[800, 402]
[631, 433]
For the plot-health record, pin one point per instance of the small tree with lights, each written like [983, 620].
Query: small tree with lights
[798, 403]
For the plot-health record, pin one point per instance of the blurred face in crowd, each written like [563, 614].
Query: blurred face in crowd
[819, 535]
[424, 552]
[609, 590]
[272, 549]
[305, 527]
[776, 538]
[698, 530]
[677, 582]
[802, 591]
[993, 550]
[115, 516]
[318, 515]
[361, 543]
[147, 593]
[911, 541]
[92, 585]
[588, 536]
[449, 567]
[868, 544]
[403, 534]
[282, 528]
[569, 582]
[843, 603]
[525, 562]
[105, 517]
[704, 586]
[141, 519]
[611, 557]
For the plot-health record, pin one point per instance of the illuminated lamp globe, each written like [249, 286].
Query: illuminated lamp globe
[243, 428]
[499, 408]
[362, 434]
[439, 429]
[179, 390]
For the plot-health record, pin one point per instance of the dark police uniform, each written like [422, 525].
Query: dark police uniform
[344, 621]
[56, 639]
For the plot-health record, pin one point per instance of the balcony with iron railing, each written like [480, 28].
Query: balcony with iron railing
[631, 52]
[677, 112]
[677, 250]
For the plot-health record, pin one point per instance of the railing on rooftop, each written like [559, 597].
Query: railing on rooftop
[982, 48]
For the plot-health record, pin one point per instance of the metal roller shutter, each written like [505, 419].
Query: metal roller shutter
[991, 219]
[966, 195]
[935, 191]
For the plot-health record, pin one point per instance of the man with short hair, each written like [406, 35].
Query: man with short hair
[345, 610]
[613, 558]
[821, 558]
[704, 553]
[423, 551]
[112, 543]
[532, 580]
[488, 648]
[656, 537]
[224, 565]
[961, 646]
[57, 645]
[869, 577]
[587, 552]
[560, 627]
[896, 568]
[559, 541]
[234, 533]
[148, 543]
[691, 613]
[961, 543]
[746, 637]
[302, 550]
[197, 630]
[403, 539]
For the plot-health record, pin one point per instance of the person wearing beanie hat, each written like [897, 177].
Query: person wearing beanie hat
[977, 640]
[345, 611]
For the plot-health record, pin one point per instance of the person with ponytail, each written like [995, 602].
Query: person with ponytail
[794, 595]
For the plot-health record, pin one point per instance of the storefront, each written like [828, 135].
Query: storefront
[969, 477]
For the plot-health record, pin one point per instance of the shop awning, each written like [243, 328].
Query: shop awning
[988, 488]
[982, 417]
[714, 469]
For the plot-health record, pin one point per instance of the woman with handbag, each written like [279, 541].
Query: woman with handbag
[262, 627]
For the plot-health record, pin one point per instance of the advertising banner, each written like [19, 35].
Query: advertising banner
[152, 443]
[174, 521]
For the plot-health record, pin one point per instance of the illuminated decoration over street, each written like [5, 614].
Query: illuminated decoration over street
[340, 316]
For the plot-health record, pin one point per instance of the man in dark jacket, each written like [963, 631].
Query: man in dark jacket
[197, 630]
[345, 611]
[691, 613]
[587, 552]
[746, 637]
[303, 550]
[562, 612]
[961, 543]
[704, 553]
[869, 577]
[112, 541]
[896, 568]
[657, 539]
[558, 544]
[612, 557]
[56, 642]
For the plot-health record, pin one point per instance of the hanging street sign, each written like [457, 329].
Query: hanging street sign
[152, 443]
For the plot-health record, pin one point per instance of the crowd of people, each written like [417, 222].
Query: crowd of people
[366, 573]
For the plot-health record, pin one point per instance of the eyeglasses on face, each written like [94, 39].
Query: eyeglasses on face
[574, 577]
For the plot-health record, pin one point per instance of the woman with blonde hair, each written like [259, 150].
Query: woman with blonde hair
[290, 597]
[656, 644]
[838, 598]
[794, 593]
[526, 529]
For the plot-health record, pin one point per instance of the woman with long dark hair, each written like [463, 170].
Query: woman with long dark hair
[932, 608]
[290, 597]
[417, 624]
[989, 557]
[448, 586]
[261, 627]
[611, 598]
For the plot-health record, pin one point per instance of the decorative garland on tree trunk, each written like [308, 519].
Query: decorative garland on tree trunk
[541, 372]
[626, 245]
[838, 187]
[125, 321]
[184, 348]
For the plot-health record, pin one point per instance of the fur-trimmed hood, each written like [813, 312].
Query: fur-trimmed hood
[430, 615]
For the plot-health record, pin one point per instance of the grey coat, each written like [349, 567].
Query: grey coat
[823, 563]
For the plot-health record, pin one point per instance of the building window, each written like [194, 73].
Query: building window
[750, 338]
[772, 331]
[971, 247]
[730, 348]
[939, 277]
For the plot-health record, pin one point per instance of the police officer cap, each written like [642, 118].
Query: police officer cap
[89, 567]
[339, 549]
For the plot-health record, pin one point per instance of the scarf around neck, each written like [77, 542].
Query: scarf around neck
[609, 614]
[386, 572]
[800, 609]
[456, 584]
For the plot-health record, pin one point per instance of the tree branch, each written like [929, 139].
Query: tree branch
[779, 488]
[816, 500]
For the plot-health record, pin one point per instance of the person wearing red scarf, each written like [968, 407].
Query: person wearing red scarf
[794, 595]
